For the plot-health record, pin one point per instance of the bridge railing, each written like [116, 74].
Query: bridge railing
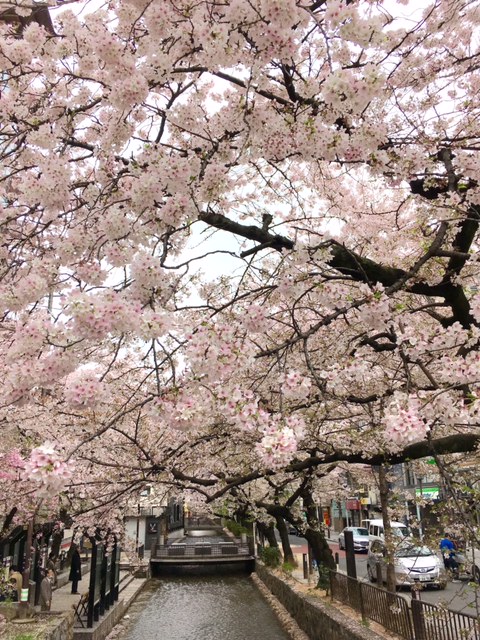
[217, 550]
[202, 522]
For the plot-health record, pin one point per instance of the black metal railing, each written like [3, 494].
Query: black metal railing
[380, 605]
[433, 622]
[200, 550]
[202, 522]
[388, 609]
[416, 621]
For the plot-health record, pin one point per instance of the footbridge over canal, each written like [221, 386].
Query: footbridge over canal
[202, 545]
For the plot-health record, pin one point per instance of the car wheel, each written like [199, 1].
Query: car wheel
[442, 586]
[370, 574]
[340, 545]
[476, 574]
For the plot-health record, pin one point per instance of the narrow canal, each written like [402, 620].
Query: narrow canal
[201, 608]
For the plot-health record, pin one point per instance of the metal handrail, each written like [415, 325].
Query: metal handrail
[418, 621]
[437, 623]
[201, 549]
[386, 608]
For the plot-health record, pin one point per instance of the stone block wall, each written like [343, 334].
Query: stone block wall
[51, 626]
[319, 620]
[102, 628]
[60, 628]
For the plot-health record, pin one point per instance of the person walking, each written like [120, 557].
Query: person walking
[75, 569]
[46, 591]
[52, 565]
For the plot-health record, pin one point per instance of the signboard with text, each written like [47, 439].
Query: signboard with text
[353, 504]
[429, 493]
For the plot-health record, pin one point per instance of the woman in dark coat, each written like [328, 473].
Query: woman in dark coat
[75, 570]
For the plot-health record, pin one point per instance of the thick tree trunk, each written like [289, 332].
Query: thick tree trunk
[314, 534]
[286, 548]
[57, 538]
[8, 521]
[268, 532]
[321, 552]
[387, 529]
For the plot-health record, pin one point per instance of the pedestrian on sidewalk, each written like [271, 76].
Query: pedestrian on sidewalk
[52, 564]
[46, 590]
[75, 569]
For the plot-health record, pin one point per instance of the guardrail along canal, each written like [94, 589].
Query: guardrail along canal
[202, 608]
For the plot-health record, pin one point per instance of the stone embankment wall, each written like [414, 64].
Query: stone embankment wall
[60, 630]
[319, 620]
[54, 626]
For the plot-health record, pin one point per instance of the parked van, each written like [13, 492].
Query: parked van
[375, 529]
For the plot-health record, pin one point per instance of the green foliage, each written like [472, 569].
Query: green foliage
[323, 577]
[24, 636]
[236, 528]
[271, 556]
[7, 590]
[288, 567]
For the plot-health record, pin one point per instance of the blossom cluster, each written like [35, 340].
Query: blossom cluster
[277, 446]
[404, 423]
[215, 350]
[149, 276]
[295, 385]
[47, 470]
[83, 389]
[254, 319]
[241, 405]
[96, 315]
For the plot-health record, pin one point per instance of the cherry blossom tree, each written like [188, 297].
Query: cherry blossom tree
[239, 239]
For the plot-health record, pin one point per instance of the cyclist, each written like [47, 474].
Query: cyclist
[448, 549]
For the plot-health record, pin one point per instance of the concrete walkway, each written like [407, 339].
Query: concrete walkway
[298, 551]
[63, 600]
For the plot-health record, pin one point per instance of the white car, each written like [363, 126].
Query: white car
[360, 538]
[414, 563]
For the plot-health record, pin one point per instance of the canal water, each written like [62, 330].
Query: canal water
[201, 608]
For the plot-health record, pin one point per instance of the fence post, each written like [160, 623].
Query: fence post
[360, 599]
[306, 573]
[418, 617]
[350, 555]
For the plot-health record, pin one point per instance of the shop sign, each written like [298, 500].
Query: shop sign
[429, 493]
[353, 504]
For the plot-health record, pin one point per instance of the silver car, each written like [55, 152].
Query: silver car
[360, 538]
[413, 562]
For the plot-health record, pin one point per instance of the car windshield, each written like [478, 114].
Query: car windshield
[360, 532]
[413, 551]
[402, 532]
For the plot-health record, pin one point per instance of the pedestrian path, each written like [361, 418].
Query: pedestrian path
[63, 599]
[298, 551]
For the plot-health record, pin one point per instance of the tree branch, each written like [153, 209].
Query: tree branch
[251, 232]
